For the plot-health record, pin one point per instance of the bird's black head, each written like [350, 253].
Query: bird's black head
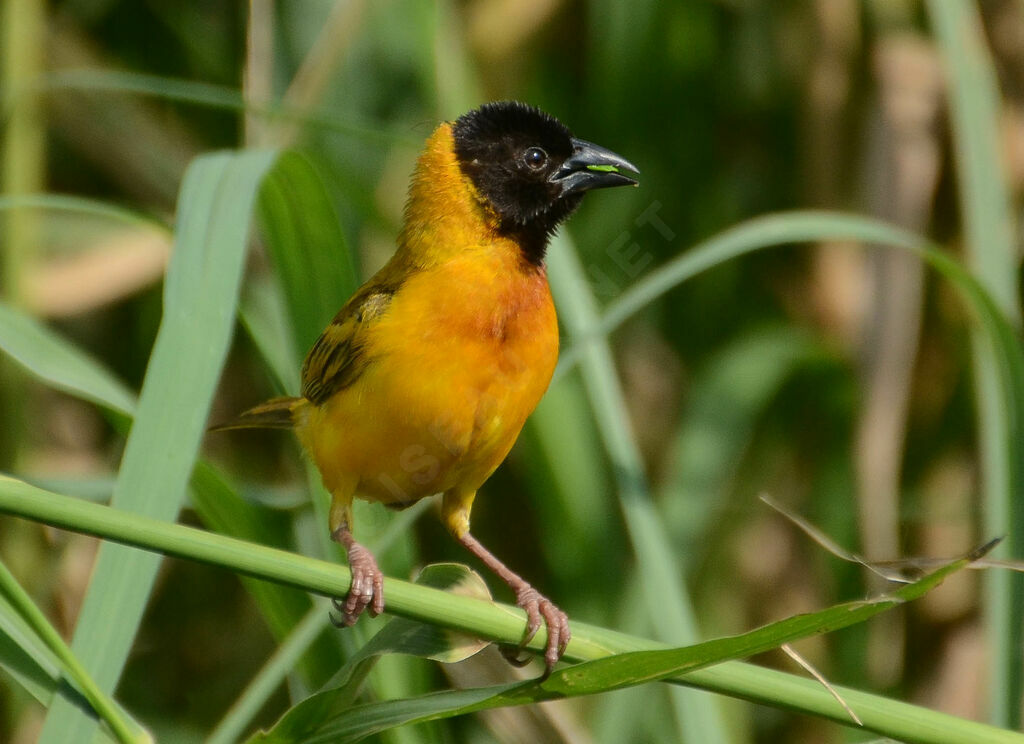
[530, 169]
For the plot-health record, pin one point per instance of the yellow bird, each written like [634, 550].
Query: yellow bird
[423, 380]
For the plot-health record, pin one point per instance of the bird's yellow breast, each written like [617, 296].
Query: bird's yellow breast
[459, 360]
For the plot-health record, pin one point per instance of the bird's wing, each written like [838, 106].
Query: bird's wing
[339, 356]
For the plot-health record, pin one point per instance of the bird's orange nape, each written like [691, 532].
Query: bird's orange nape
[424, 379]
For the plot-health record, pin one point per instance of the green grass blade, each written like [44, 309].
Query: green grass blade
[975, 111]
[637, 667]
[208, 95]
[263, 315]
[123, 727]
[214, 211]
[80, 205]
[309, 250]
[61, 364]
[223, 510]
[24, 144]
[993, 256]
[669, 608]
[485, 619]
[567, 466]
[329, 579]
[304, 636]
[802, 227]
[747, 237]
[25, 657]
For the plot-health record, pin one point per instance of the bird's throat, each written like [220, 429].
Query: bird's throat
[445, 215]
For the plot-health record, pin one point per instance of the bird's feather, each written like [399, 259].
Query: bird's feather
[276, 413]
[339, 357]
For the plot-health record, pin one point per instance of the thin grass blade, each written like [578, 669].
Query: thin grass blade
[993, 255]
[61, 364]
[311, 257]
[25, 657]
[80, 205]
[214, 212]
[669, 608]
[124, 728]
[207, 95]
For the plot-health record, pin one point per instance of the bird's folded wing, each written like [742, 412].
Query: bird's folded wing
[339, 356]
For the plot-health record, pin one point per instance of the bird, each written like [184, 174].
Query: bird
[423, 380]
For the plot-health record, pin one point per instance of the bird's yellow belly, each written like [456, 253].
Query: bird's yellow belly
[441, 401]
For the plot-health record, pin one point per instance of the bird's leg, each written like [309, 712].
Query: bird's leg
[367, 587]
[537, 606]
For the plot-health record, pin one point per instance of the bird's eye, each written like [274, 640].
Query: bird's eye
[535, 158]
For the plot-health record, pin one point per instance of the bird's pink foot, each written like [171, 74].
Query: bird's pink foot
[539, 607]
[367, 588]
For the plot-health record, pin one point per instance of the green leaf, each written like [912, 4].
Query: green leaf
[55, 361]
[567, 466]
[213, 96]
[61, 364]
[609, 673]
[317, 274]
[124, 728]
[774, 230]
[398, 636]
[311, 258]
[265, 319]
[987, 210]
[625, 670]
[25, 657]
[1004, 437]
[200, 292]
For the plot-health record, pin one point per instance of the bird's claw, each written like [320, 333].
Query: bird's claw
[366, 590]
[514, 655]
[537, 606]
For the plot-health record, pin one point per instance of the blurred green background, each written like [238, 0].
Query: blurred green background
[836, 379]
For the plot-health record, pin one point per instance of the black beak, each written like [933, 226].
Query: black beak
[592, 167]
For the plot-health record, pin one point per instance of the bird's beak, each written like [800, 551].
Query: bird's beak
[592, 167]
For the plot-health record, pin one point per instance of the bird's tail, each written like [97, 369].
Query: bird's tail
[276, 413]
